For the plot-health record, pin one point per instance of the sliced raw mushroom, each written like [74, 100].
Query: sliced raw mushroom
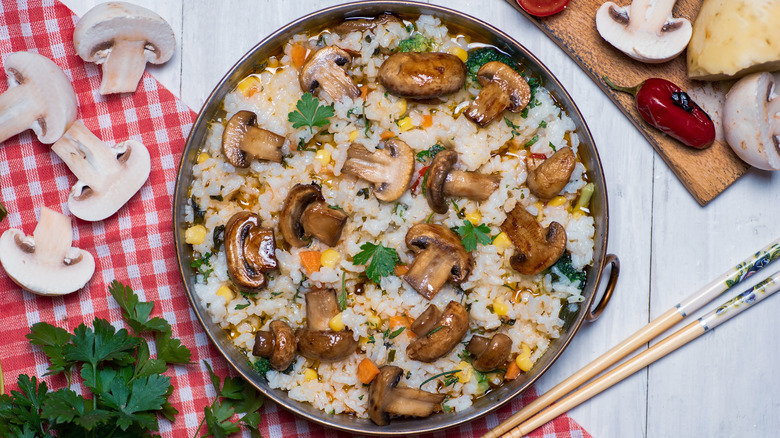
[317, 341]
[123, 37]
[439, 256]
[425, 75]
[537, 247]
[305, 214]
[385, 398]
[443, 336]
[243, 140]
[278, 344]
[364, 24]
[390, 169]
[39, 97]
[751, 123]
[326, 70]
[645, 30]
[250, 251]
[45, 263]
[502, 88]
[489, 354]
[108, 176]
[443, 181]
[548, 179]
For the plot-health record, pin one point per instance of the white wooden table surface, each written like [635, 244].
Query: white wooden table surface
[724, 384]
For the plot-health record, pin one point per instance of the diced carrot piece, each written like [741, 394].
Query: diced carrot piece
[310, 260]
[512, 371]
[427, 121]
[298, 55]
[399, 321]
[367, 371]
[387, 135]
[364, 92]
[400, 270]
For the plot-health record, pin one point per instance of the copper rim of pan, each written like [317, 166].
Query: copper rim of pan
[480, 31]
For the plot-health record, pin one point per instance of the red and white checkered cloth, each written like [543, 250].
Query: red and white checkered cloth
[135, 245]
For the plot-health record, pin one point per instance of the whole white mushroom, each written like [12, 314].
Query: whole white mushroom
[123, 37]
[751, 121]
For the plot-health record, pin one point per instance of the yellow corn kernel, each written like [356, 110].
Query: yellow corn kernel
[336, 324]
[374, 321]
[460, 53]
[330, 258]
[557, 201]
[309, 374]
[226, 292]
[500, 307]
[405, 124]
[402, 106]
[203, 157]
[475, 218]
[353, 135]
[524, 363]
[195, 235]
[502, 242]
[247, 84]
[465, 372]
[323, 156]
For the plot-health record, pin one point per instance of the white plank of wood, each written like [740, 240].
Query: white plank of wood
[725, 383]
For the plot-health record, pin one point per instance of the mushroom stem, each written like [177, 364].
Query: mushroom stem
[371, 166]
[429, 271]
[53, 236]
[91, 160]
[472, 185]
[17, 112]
[655, 13]
[124, 67]
[410, 407]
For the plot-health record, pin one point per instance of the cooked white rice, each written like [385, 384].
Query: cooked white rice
[263, 187]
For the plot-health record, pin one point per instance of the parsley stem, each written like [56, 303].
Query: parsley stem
[2, 385]
[199, 426]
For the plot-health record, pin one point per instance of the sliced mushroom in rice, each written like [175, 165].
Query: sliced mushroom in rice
[250, 251]
[305, 214]
[443, 181]
[422, 76]
[317, 341]
[385, 398]
[489, 354]
[277, 344]
[537, 247]
[446, 333]
[547, 180]
[390, 169]
[439, 257]
[502, 88]
[243, 140]
[325, 71]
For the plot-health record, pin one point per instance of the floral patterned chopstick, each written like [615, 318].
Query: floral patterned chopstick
[723, 313]
[694, 302]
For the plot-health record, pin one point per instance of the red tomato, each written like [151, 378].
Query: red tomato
[542, 8]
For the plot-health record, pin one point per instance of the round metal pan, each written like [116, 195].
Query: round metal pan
[479, 31]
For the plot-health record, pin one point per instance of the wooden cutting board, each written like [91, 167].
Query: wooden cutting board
[705, 173]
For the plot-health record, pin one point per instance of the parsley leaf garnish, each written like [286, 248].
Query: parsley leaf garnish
[127, 391]
[395, 333]
[429, 153]
[383, 260]
[471, 235]
[232, 396]
[309, 112]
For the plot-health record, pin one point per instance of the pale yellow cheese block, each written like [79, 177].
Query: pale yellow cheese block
[732, 38]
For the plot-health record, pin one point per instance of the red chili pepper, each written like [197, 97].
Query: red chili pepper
[419, 179]
[538, 156]
[667, 107]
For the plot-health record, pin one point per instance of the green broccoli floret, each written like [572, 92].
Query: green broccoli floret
[564, 268]
[479, 57]
[417, 43]
[262, 366]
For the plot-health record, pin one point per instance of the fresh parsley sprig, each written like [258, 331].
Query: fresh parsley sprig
[309, 112]
[233, 395]
[127, 385]
[383, 260]
[471, 235]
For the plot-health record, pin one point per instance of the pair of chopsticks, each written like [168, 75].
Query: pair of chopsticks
[533, 416]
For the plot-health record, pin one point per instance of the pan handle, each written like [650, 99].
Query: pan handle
[594, 312]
